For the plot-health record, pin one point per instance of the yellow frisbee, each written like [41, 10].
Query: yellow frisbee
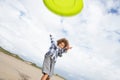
[64, 7]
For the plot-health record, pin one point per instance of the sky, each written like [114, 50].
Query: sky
[94, 34]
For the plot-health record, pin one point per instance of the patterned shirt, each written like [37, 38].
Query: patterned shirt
[54, 50]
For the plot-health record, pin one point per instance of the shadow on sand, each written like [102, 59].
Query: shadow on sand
[23, 76]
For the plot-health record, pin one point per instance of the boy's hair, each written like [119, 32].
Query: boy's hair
[65, 41]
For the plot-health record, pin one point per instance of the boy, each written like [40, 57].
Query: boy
[51, 56]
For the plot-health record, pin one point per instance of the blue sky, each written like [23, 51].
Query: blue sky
[94, 34]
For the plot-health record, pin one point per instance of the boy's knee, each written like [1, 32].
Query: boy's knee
[48, 78]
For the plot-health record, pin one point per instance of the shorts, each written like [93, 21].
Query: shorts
[48, 65]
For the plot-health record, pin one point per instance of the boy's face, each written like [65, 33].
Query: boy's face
[62, 45]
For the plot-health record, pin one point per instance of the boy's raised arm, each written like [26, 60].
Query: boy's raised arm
[51, 38]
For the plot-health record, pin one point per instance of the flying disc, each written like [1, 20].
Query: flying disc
[64, 7]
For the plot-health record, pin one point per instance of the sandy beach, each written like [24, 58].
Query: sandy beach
[12, 68]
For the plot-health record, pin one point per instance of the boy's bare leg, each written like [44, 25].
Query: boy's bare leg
[48, 78]
[44, 77]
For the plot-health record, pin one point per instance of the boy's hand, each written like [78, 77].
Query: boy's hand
[50, 35]
[68, 47]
